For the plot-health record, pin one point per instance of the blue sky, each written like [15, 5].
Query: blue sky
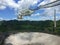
[8, 12]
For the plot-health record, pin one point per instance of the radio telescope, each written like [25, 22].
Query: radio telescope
[28, 11]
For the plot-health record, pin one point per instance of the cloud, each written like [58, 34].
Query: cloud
[2, 7]
[19, 4]
[1, 18]
[37, 14]
[25, 4]
[11, 3]
[8, 3]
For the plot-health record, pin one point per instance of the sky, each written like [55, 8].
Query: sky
[8, 10]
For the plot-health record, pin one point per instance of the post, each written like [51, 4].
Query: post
[54, 21]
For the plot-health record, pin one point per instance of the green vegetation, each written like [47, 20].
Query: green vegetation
[38, 26]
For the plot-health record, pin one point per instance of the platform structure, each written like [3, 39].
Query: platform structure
[52, 4]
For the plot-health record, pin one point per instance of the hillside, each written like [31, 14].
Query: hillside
[30, 26]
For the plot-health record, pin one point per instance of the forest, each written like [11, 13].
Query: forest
[46, 26]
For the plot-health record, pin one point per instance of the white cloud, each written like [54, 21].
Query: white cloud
[1, 18]
[9, 3]
[20, 4]
[37, 14]
[25, 4]
[2, 7]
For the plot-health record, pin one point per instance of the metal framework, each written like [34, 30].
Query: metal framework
[52, 4]
[24, 12]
